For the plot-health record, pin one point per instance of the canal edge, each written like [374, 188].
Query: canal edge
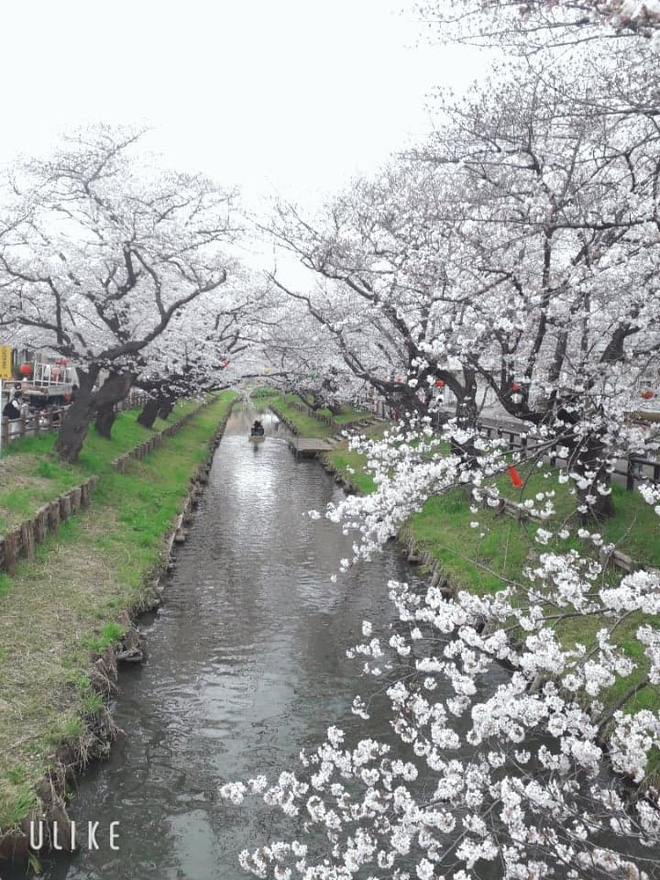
[101, 731]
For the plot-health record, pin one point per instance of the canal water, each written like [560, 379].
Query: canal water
[246, 666]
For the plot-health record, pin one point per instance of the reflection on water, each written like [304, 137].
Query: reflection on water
[245, 667]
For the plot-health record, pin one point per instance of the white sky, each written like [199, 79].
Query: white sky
[291, 96]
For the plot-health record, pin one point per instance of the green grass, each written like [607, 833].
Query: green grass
[32, 475]
[310, 425]
[264, 392]
[348, 415]
[307, 426]
[495, 553]
[71, 605]
[351, 465]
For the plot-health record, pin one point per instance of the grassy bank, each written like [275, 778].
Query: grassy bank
[31, 475]
[307, 426]
[484, 558]
[71, 604]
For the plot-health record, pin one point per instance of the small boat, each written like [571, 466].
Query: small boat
[257, 438]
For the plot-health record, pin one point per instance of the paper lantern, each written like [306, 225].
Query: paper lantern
[516, 479]
[26, 370]
[648, 395]
[439, 384]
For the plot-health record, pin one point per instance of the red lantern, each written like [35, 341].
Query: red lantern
[440, 384]
[515, 387]
[26, 370]
[516, 479]
[648, 395]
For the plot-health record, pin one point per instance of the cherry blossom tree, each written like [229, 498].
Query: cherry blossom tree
[206, 347]
[489, 255]
[505, 739]
[563, 211]
[111, 250]
[382, 256]
[534, 25]
[519, 244]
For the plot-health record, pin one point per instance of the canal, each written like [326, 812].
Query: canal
[246, 666]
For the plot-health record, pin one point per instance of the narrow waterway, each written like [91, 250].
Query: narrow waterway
[246, 666]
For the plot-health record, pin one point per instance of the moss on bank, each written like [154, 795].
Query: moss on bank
[74, 601]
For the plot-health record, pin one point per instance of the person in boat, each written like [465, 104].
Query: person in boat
[257, 429]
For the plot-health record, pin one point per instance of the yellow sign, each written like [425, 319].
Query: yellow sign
[6, 362]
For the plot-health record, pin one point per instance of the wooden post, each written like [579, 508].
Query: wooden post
[10, 554]
[41, 525]
[74, 495]
[27, 540]
[65, 507]
[54, 517]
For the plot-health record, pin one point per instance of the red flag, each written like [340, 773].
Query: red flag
[515, 477]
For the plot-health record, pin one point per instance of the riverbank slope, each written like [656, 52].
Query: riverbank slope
[64, 614]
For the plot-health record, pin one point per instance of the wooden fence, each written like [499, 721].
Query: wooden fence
[48, 421]
[21, 541]
[634, 469]
[31, 425]
[631, 471]
[328, 420]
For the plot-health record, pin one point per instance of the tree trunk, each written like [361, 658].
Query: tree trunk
[150, 412]
[105, 419]
[77, 420]
[590, 460]
[166, 407]
[115, 388]
[75, 426]
[467, 413]
[86, 405]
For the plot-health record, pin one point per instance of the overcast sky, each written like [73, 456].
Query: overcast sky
[286, 95]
